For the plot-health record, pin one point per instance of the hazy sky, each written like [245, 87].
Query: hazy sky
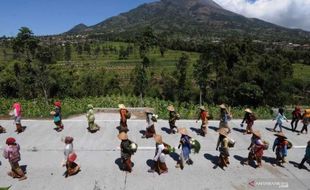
[57, 16]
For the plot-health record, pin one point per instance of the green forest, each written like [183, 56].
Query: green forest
[151, 69]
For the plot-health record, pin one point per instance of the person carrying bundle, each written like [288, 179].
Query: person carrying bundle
[225, 116]
[127, 150]
[173, 116]
[160, 165]
[249, 119]
[203, 115]
[70, 157]
[57, 117]
[124, 115]
[12, 153]
[222, 146]
[150, 119]
[256, 149]
[92, 126]
[185, 144]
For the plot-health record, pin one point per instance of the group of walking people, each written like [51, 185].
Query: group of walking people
[186, 143]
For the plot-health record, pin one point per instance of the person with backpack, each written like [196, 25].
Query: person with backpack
[92, 126]
[150, 119]
[306, 157]
[70, 157]
[281, 146]
[185, 144]
[203, 115]
[256, 150]
[12, 153]
[306, 121]
[249, 118]
[159, 159]
[57, 116]
[126, 151]
[173, 116]
[124, 115]
[279, 120]
[223, 148]
[296, 116]
[225, 116]
[17, 113]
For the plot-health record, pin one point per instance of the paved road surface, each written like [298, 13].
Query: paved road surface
[98, 155]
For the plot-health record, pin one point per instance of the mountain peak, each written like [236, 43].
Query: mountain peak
[189, 19]
[77, 29]
[189, 3]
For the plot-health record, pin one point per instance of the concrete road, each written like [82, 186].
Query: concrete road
[98, 155]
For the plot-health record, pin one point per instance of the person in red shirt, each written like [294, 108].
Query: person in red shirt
[256, 149]
[203, 115]
[296, 116]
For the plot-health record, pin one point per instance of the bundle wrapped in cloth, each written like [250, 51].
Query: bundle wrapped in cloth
[195, 145]
[168, 149]
[133, 147]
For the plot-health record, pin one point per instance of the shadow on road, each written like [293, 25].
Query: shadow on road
[142, 132]
[211, 158]
[174, 156]
[269, 160]
[295, 164]
[150, 163]
[239, 130]
[24, 168]
[269, 129]
[165, 129]
[119, 163]
[197, 131]
[287, 128]
[213, 128]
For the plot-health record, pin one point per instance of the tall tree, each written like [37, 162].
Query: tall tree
[181, 73]
[202, 71]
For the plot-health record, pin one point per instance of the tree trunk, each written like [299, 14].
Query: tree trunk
[200, 97]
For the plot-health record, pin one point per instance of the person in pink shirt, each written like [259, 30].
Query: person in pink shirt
[11, 152]
[17, 113]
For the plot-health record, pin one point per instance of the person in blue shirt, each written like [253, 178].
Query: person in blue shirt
[280, 145]
[279, 120]
[186, 148]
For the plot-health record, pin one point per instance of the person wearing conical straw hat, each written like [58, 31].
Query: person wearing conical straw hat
[203, 115]
[123, 118]
[150, 129]
[186, 148]
[125, 151]
[249, 118]
[160, 165]
[12, 153]
[281, 146]
[256, 149]
[222, 146]
[225, 116]
[173, 116]
[92, 126]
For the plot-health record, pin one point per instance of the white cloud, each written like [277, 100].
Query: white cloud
[288, 13]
